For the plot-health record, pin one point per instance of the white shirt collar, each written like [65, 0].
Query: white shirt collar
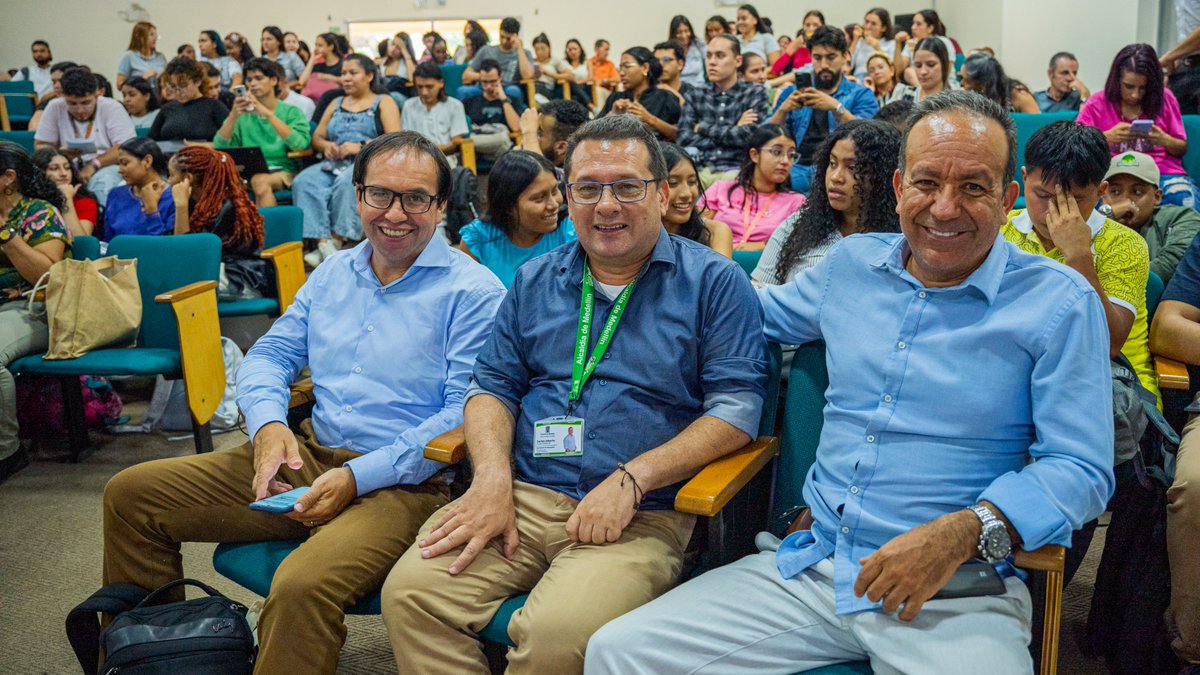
[1024, 223]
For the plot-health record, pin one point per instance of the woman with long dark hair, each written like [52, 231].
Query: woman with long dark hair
[682, 214]
[926, 24]
[463, 54]
[983, 74]
[931, 63]
[716, 25]
[273, 47]
[32, 238]
[761, 197]
[681, 31]
[575, 58]
[212, 50]
[79, 211]
[754, 34]
[874, 35]
[137, 95]
[144, 204]
[641, 96]
[237, 46]
[848, 196]
[324, 69]
[522, 220]
[1134, 95]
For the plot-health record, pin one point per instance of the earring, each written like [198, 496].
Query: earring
[8, 190]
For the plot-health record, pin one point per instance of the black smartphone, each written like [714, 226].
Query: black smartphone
[804, 80]
[973, 579]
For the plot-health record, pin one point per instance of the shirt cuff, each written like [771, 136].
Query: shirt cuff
[261, 414]
[372, 471]
[741, 410]
[1033, 515]
[474, 389]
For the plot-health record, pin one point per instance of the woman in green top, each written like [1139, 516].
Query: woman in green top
[33, 238]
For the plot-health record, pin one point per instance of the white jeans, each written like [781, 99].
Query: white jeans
[746, 618]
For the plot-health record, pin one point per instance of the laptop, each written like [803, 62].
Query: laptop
[249, 161]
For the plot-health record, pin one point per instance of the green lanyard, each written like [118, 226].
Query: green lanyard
[581, 371]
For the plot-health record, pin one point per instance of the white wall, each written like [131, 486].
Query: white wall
[1023, 32]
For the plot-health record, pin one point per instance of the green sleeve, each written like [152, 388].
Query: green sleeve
[235, 139]
[1184, 227]
[301, 136]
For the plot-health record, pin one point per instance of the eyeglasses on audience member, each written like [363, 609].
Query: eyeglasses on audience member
[626, 191]
[412, 203]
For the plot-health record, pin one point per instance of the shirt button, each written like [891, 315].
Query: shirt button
[603, 382]
[371, 329]
[870, 439]
[853, 489]
[357, 369]
[845, 530]
[901, 345]
[349, 408]
[591, 434]
[349, 442]
[887, 398]
[921, 295]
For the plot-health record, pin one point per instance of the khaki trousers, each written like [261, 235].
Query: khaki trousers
[1183, 542]
[151, 507]
[433, 618]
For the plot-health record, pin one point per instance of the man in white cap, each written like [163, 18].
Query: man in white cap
[1136, 202]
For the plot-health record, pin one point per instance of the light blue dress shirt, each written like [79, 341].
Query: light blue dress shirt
[939, 397]
[389, 363]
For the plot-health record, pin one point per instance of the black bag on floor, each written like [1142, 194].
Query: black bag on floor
[464, 202]
[204, 635]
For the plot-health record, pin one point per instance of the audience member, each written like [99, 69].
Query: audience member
[546, 130]
[1066, 91]
[464, 53]
[855, 577]
[301, 50]
[720, 116]
[440, 52]
[641, 96]
[691, 64]
[79, 211]
[144, 204]
[260, 120]
[1064, 170]
[926, 25]
[755, 202]
[604, 72]
[88, 129]
[716, 26]
[896, 114]
[522, 219]
[931, 63]
[812, 112]
[214, 91]
[847, 197]
[191, 115]
[754, 37]
[137, 95]
[874, 35]
[754, 71]
[1181, 63]
[680, 386]
[515, 62]
[103, 86]
[33, 238]
[432, 113]
[881, 78]
[212, 50]
[274, 48]
[424, 305]
[396, 64]
[237, 46]
[324, 70]
[683, 214]
[429, 39]
[38, 72]
[553, 73]
[581, 68]
[1134, 91]
[187, 50]
[1135, 200]
[475, 41]
[295, 98]
[796, 54]
[670, 56]
[325, 191]
[983, 74]
[492, 112]
[56, 73]
[142, 58]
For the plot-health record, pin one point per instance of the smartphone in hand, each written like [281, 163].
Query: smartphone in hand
[1141, 127]
[280, 503]
[804, 80]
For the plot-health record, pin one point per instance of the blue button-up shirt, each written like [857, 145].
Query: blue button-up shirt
[390, 364]
[685, 347]
[938, 397]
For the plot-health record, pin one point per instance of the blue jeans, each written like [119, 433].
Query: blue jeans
[1179, 190]
[328, 202]
[802, 178]
[514, 92]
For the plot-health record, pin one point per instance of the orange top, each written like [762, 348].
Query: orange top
[605, 70]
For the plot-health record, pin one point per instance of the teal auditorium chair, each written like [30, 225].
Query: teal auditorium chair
[747, 259]
[17, 102]
[453, 73]
[142, 132]
[179, 335]
[1191, 158]
[21, 138]
[1027, 124]
[85, 248]
[283, 245]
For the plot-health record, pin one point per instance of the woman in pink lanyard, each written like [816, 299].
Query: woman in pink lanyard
[760, 198]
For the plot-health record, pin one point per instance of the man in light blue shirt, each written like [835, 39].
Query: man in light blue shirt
[953, 360]
[390, 331]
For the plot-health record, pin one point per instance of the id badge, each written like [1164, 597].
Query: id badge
[558, 437]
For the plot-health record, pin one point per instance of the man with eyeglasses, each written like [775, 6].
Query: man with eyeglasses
[390, 330]
[673, 58]
[641, 346]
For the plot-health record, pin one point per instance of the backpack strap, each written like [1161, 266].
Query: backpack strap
[83, 627]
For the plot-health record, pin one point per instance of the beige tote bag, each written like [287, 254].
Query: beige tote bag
[91, 304]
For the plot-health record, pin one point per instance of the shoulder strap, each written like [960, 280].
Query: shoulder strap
[83, 626]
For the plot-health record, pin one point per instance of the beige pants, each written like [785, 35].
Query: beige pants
[151, 507]
[1183, 542]
[574, 589]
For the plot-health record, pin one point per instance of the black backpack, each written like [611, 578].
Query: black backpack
[464, 202]
[200, 636]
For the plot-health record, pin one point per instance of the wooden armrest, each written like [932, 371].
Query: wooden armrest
[449, 448]
[301, 393]
[710, 490]
[191, 290]
[530, 92]
[276, 251]
[288, 261]
[466, 148]
[1046, 559]
[1171, 374]
[297, 154]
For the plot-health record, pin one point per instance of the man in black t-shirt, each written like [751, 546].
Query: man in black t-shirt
[493, 115]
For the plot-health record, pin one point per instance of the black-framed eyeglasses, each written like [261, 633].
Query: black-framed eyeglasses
[627, 191]
[412, 203]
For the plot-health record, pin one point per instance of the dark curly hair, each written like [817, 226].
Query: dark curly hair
[877, 149]
[31, 181]
[694, 228]
[42, 158]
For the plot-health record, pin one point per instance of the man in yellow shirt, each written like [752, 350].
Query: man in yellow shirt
[1064, 170]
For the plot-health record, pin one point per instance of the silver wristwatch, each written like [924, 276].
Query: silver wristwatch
[994, 542]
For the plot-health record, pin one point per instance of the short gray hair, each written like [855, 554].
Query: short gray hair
[618, 128]
[973, 105]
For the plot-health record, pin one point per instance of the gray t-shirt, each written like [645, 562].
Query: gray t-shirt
[133, 64]
[227, 66]
[510, 72]
[446, 120]
[292, 64]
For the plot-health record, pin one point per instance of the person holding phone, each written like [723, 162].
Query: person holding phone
[1137, 112]
[821, 99]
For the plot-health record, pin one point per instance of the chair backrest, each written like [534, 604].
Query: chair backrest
[1191, 158]
[1027, 124]
[21, 138]
[803, 417]
[282, 224]
[85, 248]
[747, 259]
[453, 72]
[20, 105]
[16, 87]
[1154, 291]
[142, 132]
[166, 263]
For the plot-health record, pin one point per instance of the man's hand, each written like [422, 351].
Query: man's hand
[484, 512]
[330, 493]
[530, 121]
[604, 513]
[1067, 227]
[914, 566]
[749, 117]
[817, 100]
[274, 444]
[794, 101]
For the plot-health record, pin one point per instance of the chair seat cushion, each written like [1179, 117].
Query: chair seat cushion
[497, 629]
[254, 307]
[142, 361]
[253, 566]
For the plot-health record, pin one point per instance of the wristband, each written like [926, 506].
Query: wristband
[840, 109]
[95, 162]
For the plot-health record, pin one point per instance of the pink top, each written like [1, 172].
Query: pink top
[1099, 113]
[761, 219]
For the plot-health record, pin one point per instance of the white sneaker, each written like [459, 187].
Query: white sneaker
[313, 258]
[328, 248]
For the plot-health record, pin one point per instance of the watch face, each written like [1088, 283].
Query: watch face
[996, 542]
